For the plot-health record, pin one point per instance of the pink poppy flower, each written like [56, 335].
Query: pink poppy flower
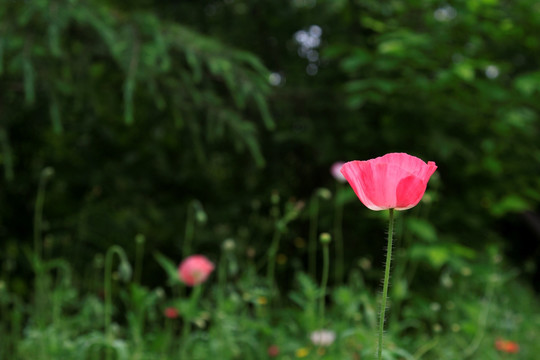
[195, 269]
[336, 173]
[171, 313]
[393, 181]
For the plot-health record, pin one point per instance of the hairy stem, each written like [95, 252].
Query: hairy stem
[386, 280]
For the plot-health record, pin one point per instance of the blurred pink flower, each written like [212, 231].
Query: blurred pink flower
[195, 269]
[335, 170]
[393, 181]
[171, 312]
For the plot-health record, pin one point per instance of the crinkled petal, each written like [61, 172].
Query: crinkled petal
[360, 177]
[393, 181]
[409, 192]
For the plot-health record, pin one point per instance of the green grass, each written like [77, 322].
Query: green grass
[239, 315]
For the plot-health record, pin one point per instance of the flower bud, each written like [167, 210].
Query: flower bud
[201, 216]
[229, 244]
[274, 198]
[335, 170]
[324, 193]
[124, 271]
[325, 238]
[47, 172]
[140, 239]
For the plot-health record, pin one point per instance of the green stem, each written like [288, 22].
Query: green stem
[194, 298]
[222, 278]
[324, 282]
[115, 249]
[38, 212]
[6, 150]
[139, 252]
[338, 235]
[482, 321]
[270, 273]
[41, 285]
[386, 280]
[190, 229]
[313, 224]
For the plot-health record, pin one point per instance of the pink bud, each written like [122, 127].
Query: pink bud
[335, 170]
[171, 313]
[273, 350]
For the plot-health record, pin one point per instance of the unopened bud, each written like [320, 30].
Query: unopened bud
[325, 238]
[124, 271]
[99, 260]
[201, 216]
[140, 239]
[324, 193]
[274, 198]
[47, 172]
[229, 245]
[160, 293]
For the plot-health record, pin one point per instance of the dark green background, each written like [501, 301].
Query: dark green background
[143, 106]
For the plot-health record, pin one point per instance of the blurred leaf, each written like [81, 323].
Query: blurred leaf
[372, 24]
[527, 84]
[463, 251]
[510, 203]
[464, 70]
[169, 266]
[421, 228]
[345, 195]
[265, 113]
[394, 46]
[355, 61]
[436, 256]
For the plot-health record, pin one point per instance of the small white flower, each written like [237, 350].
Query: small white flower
[323, 337]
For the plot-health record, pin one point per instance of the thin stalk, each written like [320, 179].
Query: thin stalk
[169, 335]
[313, 225]
[324, 282]
[270, 273]
[222, 278]
[194, 298]
[6, 154]
[386, 280]
[115, 249]
[139, 252]
[190, 230]
[482, 321]
[41, 295]
[38, 212]
[338, 236]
